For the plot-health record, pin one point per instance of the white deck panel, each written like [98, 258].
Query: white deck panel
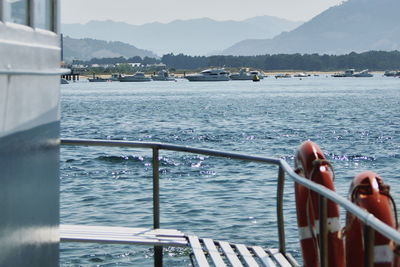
[122, 235]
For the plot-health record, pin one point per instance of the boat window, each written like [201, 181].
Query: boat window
[15, 11]
[42, 14]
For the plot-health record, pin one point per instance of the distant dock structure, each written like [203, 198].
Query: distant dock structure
[72, 76]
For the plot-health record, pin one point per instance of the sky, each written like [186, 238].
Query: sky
[139, 12]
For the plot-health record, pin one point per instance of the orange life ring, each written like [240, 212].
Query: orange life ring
[368, 191]
[310, 163]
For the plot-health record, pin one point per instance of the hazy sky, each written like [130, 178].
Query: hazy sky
[144, 11]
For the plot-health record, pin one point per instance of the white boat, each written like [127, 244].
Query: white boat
[163, 75]
[283, 75]
[138, 77]
[363, 73]
[30, 113]
[301, 75]
[244, 74]
[209, 75]
[347, 73]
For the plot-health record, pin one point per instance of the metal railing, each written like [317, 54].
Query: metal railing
[370, 221]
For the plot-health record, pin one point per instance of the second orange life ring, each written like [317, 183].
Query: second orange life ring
[368, 191]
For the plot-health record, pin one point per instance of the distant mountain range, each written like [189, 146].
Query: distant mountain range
[191, 37]
[85, 49]
[355, 25]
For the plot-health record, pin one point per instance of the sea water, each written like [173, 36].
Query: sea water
[355, 121]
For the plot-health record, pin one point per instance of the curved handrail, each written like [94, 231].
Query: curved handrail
[367, 218]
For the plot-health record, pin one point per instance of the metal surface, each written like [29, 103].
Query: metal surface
[35, 72]
[122, 235]
[369, 241]
[2, 10]
[265, 259]
[279, 210]
[246, 255]
[198, 251]
[230, 254]
[30, 13]
[156, 206]
[29, 147]
[323, 231]
[55, 18]
[367, 218]
[213, 252]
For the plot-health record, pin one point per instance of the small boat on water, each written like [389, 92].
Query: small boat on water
[97, 79]
[301, 75]
[363, 73]
[137, 77]
[244, 74]
[283, 75]
[115, 77]
[163, 75]
[392, 73]
[347, 73]
[209, 75]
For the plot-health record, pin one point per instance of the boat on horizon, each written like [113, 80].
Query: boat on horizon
[97, 79]
[363, 73]
[283, 75]
[392, 73]
[245, 74]
[115, 77]
[209, 75]
[346, 73]
[137, 77]
[163, 75]
[301, 75]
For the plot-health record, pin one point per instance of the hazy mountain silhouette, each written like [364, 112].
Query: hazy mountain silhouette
[355, 25]
[192, 37]
[85, 49]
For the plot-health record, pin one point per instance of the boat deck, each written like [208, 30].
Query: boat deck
[205, 252]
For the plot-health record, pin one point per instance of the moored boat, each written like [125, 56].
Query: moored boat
[163, 75]
[97, 79]
[363, 73]
[346, 73]
[137, 77]
[209, 75]
[115, 77]
[283, 75]
[245, 74]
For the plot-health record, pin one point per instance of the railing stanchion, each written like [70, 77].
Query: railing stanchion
[158, 250]
[369, 240]
[279, 210]
[323, 231]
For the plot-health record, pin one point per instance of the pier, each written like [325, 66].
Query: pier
[72, 76]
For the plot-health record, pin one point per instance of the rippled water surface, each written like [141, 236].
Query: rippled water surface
[355, 122]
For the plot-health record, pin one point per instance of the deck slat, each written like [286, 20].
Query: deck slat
[245, 253]
[279, 258]
[214, 253]
[230, 254]
[198, 251]
[264, 257]
[121, 235]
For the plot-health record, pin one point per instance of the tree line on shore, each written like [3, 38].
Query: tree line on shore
[372, 60]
